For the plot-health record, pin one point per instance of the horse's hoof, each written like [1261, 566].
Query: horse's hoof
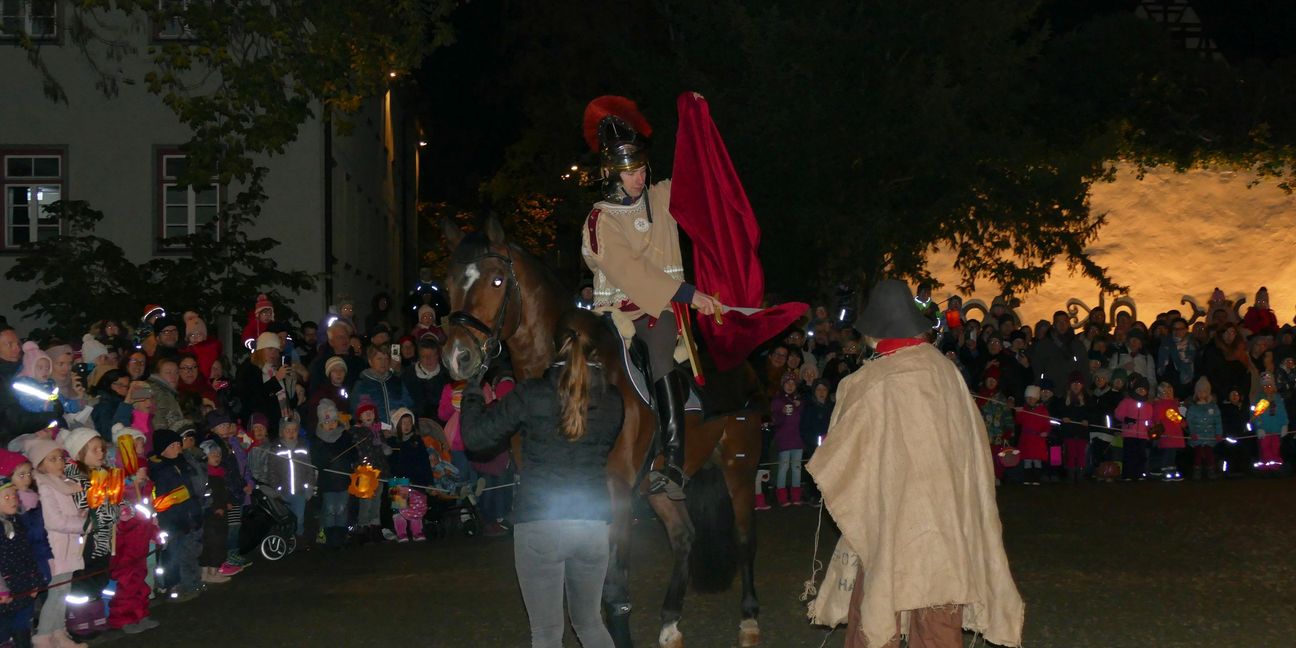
[748, 634]
[670, 636]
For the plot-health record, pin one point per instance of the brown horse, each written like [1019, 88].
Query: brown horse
[501, 296]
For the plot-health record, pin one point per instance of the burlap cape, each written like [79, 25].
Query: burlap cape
[906, 472]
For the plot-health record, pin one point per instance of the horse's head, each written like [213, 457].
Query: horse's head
[485, 298]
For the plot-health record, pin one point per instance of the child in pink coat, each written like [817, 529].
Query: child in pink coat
[1033, 427]
[1134, 414]
[409, 505]
[64, 521]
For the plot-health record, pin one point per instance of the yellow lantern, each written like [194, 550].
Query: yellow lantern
[1260, 407]
[1173, 414]
[364, 481]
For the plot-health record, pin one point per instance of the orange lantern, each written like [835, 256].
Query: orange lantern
[1260, 407]
[105, 487]
[1173, 414]
[364, 481]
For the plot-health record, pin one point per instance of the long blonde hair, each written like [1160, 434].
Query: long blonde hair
[575, 351]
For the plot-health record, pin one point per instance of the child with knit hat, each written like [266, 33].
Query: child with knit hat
[64, 522]
[89, 454]
[20, 575]
[1205, 428]
[1134, 415]
[215, 528]
[334, 454]
[1033, 427]
[370, 447]
[179, 514]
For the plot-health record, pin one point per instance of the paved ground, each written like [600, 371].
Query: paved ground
[1111, 566]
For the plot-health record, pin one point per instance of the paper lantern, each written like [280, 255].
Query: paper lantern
[364, 481]
[1260, 407]
[126, 451]
[1173, 414]
[105, 487]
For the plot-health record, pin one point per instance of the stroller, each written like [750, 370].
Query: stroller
[268, 524]
[447, 514]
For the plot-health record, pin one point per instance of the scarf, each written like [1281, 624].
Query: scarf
[424, 374]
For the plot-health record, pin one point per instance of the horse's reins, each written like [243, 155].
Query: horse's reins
[491, 346]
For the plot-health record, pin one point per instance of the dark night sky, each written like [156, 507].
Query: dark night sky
[470, 119]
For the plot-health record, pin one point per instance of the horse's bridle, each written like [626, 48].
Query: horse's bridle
[492, 345]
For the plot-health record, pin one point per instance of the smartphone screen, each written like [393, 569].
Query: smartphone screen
[395, 353]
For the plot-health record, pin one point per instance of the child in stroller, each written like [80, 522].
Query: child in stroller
[452, 501]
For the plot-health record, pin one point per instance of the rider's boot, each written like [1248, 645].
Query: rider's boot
[670, 391]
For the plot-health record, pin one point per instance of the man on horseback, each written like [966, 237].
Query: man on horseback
[631, 243]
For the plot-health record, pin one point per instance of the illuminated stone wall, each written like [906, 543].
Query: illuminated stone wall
[1170, 235]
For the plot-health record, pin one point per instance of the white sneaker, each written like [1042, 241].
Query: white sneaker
[388, 534]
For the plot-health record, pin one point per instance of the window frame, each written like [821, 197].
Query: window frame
[161, 182]
[7, 182]
[25, 9]
[157, 29]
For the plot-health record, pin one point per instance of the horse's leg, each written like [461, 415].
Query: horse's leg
[679, 529]
[741, 450]
[616, 587]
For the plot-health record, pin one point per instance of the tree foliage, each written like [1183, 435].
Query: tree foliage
[866, 134]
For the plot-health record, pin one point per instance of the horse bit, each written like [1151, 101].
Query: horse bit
[490, 347]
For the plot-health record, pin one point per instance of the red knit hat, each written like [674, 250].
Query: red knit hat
[366, 404]
[262, 303]
[9, 462]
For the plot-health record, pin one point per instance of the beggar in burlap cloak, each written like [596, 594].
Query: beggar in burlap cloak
[906, 473]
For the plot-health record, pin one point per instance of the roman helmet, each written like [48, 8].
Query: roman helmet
[617, 131]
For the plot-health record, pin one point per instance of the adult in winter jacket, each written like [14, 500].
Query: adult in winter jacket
[381, 385]
[425, 379]
[1177, 358]
[1226, 363]
[338, 338]
[1060, 352]
[112, 407]
[264, 382]
[569, 419]
[166, 396]
[1133, 358]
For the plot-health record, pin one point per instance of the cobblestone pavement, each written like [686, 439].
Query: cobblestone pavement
[1102, 565]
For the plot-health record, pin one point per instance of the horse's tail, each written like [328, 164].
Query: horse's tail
[713, 557]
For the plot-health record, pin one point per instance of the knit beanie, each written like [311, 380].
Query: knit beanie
[163, 438]
[326, 411]
[1203, 386]
[365, 404]
[92, 349]
[1033, 391]
[32, 354]
[1075, 377]
[194, 325]
[1047, 383]
[209, 446]
[333, 363]
[258, 419]
[268, 340]
[262, 303]
[217, 417]
[36, 449]
[9, 461]
[76, 439]
[1137, 382]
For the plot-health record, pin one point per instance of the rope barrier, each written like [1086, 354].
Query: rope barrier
[75, 579]
[1057, 421]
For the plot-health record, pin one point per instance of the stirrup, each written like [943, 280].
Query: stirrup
[669, 480]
